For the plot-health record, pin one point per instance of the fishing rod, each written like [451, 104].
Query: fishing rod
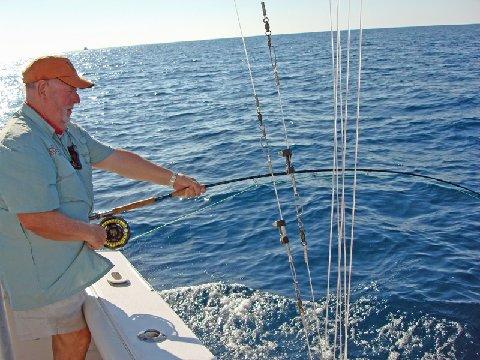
[118, 230]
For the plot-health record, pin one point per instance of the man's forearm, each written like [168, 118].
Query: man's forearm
[54, 225]
[133, 166]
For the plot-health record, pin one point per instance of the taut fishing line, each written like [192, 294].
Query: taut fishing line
[113, 213]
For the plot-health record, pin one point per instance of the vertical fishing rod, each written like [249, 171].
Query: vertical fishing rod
[338, 105]
[344, 260]
[280, 224]
[354, 191]
[343, 205]
[339, 334]
[332, 207]
[287, 153]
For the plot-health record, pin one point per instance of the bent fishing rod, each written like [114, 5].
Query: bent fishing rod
[118, 230]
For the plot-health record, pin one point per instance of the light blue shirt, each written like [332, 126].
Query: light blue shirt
[36, 176]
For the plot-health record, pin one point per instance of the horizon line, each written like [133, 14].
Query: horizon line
[279, 34]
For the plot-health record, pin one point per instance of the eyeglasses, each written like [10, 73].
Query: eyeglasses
[74, 158]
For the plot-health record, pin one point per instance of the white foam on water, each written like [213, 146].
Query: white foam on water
[237, 322]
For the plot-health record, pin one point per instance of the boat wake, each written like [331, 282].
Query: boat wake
[237, 322]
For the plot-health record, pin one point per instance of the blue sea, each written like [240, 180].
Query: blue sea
[217, 259]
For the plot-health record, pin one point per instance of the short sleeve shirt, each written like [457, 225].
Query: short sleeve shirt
[36, 175]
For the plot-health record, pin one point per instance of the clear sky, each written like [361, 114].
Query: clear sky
[38, 27]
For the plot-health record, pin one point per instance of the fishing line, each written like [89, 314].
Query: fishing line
[117, 229]
[195, 212]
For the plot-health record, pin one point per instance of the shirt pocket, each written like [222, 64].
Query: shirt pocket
[69, 184]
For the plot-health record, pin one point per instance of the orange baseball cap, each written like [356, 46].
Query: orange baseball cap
[54, 67]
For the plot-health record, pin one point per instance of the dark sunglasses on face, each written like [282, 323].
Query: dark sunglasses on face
[74, 158]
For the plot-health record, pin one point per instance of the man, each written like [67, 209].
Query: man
[46, 195]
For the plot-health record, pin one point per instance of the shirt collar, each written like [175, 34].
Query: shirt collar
[35, 117]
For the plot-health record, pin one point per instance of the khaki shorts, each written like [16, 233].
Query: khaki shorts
[61, 317]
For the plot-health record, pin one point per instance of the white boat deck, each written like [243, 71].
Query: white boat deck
[116, 314]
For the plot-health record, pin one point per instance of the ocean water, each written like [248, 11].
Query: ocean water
[217, 259]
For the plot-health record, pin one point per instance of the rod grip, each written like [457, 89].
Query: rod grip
[133, 205]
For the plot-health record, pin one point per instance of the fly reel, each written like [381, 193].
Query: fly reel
[118, 232]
